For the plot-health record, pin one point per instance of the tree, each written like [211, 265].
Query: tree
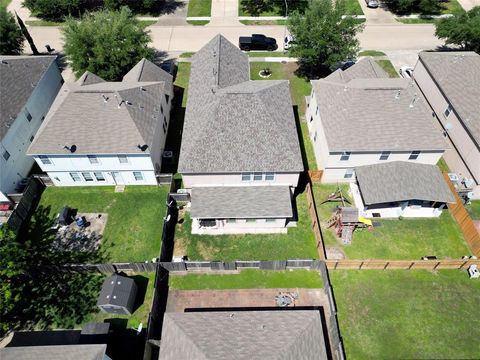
[55, 9]
[426, 7]
[462, 29]
[323, 37]
[256, 7]
[11, 37]
[106, 43]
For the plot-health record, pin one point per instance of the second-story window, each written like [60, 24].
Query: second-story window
[269, 176]
[122, 159]
[45, 160]
[93, 159]
[246, 176]
[257, 176]
[385, 155]
[28, 115]
[345, 156]
[414, 155]
[6, 155]
[448, 110]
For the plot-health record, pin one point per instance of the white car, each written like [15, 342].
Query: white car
[287, 42]
[406, 72]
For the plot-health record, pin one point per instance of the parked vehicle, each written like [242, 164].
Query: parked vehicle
[169, 66]
[287, 42]
[406, 72]
[372, 3]
[257, 42]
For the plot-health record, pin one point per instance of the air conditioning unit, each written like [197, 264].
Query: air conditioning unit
[453, 178]
[182, 191]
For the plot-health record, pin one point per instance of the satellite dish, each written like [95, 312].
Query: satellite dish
[448, 126]
[470, 194]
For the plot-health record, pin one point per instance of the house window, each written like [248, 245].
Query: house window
[270, 220]
[45, 160]
[161, 109]
[122, 159]
[348, 174]
[42, 118]
[99, 176]
[251, 220]
[28, 115]
[315, 137]
[448, 110]
[311, 118]
[345, 156]
[269, 176]
[231, 221]
[75, 177]
[316, 111]
[385, 155]
[31, 138]
[6, 155]
[257, 176]
[414, 155]
[246, 176]
[87, 176]
[138, 175]
[166, 98]
[93, 159]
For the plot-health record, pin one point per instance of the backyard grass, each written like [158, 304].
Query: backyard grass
[145, 283]
[474, 209]
[388, 67]
[372, 53]
[248, 279]
[394, 238]
[135, 217]
[299, 243]
[443, 165]
[398, 314]
[199, 8]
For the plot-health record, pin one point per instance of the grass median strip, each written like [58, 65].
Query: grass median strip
[248, 279]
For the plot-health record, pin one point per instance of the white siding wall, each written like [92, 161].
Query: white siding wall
[17, 139]
[457, 133]
[61, 166]
[241, 226]
[334, 168]
[191, 180]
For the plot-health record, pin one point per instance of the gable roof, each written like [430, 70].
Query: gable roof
[457, 74]
[241, 202]
[116, 290]
[19, 75]
[374, 113]
[102, 118]
[145, 70]
[55, 352]
[233, 124]
[401, 181]
[88, 79]
[366, 68]
[281, 334]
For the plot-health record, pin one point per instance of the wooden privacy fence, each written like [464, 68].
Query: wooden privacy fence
[312, 210]
[220, 266]
[470, 232]
[315, 175]
[26, 205]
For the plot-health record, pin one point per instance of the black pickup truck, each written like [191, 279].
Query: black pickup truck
[257, 42]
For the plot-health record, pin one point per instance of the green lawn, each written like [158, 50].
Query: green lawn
[443, 165]
[372, 53]
[299, 243]
[393, 238]
[398, 314]
[145, 283]
[187, 54]
[267, 54]
[5, 2]
[135, 217]
[452, 7]
[183, 75]
[263, 22]
[199, 8]
[474, 209]
[416, 21]
[198, 22]
[353, 7]
[248, 279]
[388, 67]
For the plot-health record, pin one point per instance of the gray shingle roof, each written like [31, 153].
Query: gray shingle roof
[145, 70]
[375, 114]
[366, 68]
[89, 116]
[458, 76]
[88, 79]
[116, 290]
[290, 334]
[241, 202]
[57, 352]
[233, 124]
[19, 75]
[401, 181]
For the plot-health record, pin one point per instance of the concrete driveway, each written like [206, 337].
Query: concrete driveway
[379, 15]
[174, 13]
[469, 4]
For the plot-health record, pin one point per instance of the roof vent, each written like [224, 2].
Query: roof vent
[4, 62]
[105, 98]
[119, 282]
[345, 88]
[142, 147]
[414, 100]
[142, 88]
[114, 296]
[397, 95]
[72, 148]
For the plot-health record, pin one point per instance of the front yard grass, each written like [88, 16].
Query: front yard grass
[388, 67]
[145, 283]
[352, 7]
[135, 217]
[371, 53]
[393, 238]
[197, 8]
[248, 279]
[416, 314]
[299, 243]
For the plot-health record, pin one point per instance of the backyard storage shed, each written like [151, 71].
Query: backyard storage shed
[118, 295]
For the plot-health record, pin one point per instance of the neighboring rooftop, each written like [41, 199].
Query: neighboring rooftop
[241, 202]
[56, 352]
[374, 113]
[116, 290]
[101, 117]
[233, 124]
[281, 334]
[457, 74]
[401, 181]
[19, 75]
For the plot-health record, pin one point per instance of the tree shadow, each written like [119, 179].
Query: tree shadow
[170, 6]
[312, 72]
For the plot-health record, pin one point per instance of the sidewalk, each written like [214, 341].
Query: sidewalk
[224, 13]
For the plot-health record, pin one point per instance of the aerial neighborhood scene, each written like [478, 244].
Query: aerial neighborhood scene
[239, 179]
